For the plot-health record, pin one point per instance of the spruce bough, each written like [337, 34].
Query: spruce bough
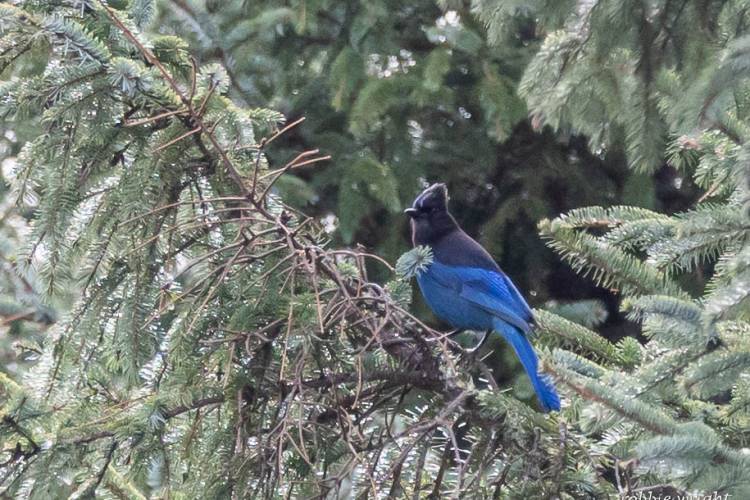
[218, 348]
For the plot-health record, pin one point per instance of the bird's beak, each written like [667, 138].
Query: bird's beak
[411, 212]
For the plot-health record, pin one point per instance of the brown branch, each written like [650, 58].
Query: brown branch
[362, 311]
[174, 412]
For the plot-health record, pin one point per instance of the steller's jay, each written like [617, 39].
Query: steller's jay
[465, 287]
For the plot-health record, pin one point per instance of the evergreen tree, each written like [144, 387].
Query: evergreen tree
[219, 346]
[399, 93]
[403, 93]
[24, 314]
[667, 82]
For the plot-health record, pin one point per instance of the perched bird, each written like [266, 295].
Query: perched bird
[465, 287]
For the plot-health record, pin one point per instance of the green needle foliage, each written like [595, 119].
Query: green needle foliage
[212, 342]
[402, 93]
[645, 77]
[216, 347]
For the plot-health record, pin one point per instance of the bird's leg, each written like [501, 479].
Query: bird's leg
[476, 347]
[480, 343]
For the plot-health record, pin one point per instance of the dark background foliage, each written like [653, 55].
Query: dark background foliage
[174, 322]
[447, 112]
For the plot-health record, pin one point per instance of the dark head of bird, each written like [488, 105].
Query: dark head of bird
[430, 219]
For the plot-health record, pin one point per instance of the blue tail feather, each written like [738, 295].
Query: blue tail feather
[543, 387]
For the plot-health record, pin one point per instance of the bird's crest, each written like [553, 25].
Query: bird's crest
[434, 196]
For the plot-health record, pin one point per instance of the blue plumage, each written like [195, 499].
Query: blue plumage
[543, 387]
[465, 287]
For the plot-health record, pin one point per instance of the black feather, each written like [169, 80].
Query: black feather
[433, 225]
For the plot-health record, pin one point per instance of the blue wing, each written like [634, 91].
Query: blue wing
[484, 299]
[490, 291]
[497, 295]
